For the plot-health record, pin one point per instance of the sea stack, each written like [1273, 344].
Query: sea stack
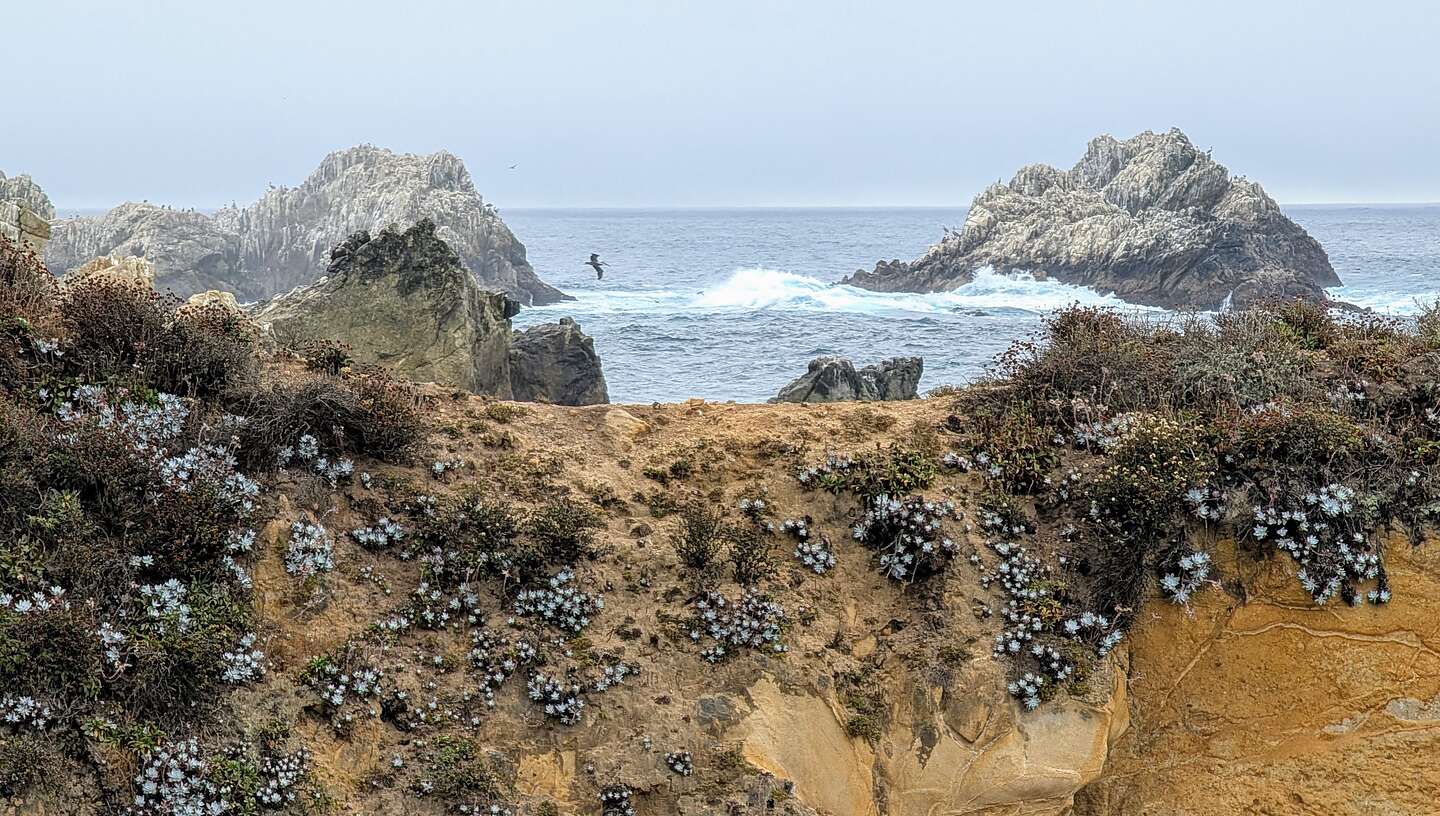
[1151, 219]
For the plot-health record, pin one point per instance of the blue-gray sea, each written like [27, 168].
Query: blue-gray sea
[732, 303]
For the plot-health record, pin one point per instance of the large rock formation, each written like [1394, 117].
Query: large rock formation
[1151, 219]
[406, 301]
[25, 211]
[284, 239]
[835, 379]
[556, 362]
[190, 250]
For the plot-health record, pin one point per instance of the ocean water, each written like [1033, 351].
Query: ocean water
[732, 303]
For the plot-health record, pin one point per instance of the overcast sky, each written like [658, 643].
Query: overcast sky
[726, 102]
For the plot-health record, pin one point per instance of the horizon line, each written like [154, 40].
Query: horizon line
[700, 207]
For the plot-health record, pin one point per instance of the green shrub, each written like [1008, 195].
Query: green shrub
[749, 551]
[699, 537]
[564, 530]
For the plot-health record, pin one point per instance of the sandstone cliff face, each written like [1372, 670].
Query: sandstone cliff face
[1151, 219]
[284, 239]
[1278, 706]
[402, 300]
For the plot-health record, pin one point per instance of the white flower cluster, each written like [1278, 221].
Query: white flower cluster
[439, 468]
[1207, 503]
[754, 622]
[1027, 688]
[211, 465]
[112, 639]
[615, 801]
[307, 449]
[836, 466]
[36, 602]
[612, 674]
[753, 508]
[560, 700]
[280, 778]
[680, 762]
[165, 606]
[310, 551]
[1088, 625]
[380, 535]
[244, 663]
[337, 687]
[496, 659]
[433, 608]
[1104, 435]
[907, 535]
[1326, 539]
[560, 604]
[817, 555]
[955, 461]
[23, 712]
[334, 471]
[175, 781]
[1192, 569]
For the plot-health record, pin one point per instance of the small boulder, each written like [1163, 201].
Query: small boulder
[835, 379]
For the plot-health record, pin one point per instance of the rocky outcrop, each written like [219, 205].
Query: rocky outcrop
[25, 212]
[835, 379]
[556, 362]
[284, 239]
[1151, 219]
[129, 269]
[190, 251]
[405, 300]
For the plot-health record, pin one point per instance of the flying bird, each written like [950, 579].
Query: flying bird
[598, 265]
[513, 166]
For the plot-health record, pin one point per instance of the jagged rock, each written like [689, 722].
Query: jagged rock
[835, 379]
[283, 240]
[189, 250]
[405, 300]
[25, 212]
[556, 362]
[24, 191]
[1151, 219]
[128, 269]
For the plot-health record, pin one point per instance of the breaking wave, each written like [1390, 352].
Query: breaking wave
[773, 290]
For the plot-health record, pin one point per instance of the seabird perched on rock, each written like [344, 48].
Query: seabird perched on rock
[598, 265]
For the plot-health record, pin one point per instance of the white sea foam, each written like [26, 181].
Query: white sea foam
[1398, 303]
[773, 290]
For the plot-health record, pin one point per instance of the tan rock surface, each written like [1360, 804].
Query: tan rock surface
[1277, 706]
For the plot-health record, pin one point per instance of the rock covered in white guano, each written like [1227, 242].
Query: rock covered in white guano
[1152, 219]
[25, 211]
[284, 239]
[835, 379]
[189, 251]
[556, 362]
